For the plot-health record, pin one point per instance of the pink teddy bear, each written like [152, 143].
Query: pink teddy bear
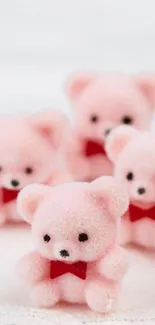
[133, 153]
[100, 103]
[28, 154]
[75, 229]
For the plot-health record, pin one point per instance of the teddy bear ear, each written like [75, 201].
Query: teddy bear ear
[50, 124]
[29, 198]
[112, 196]
[118, 139]
[146, 84]
[77, 84]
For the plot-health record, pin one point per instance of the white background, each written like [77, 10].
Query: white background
[42, 41]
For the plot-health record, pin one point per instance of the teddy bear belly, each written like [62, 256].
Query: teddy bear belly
[100, 165]
[143, 231]
[8, 212]
[140, 232]
[71, 288]
[11, 211]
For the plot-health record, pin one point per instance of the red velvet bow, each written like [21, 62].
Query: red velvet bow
[137, 213]
[59, 268]
[93, 148]
[8, 195]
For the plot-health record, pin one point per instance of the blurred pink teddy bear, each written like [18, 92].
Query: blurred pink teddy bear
[28, 154]
[134, 155]
[100, 103]
[75, 229]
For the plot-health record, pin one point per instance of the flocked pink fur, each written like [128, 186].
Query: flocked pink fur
[110, 98]
[63, 212]
[134, 152]
[29, 142]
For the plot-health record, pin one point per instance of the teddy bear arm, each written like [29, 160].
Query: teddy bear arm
[72, 143]
[114, 265]
[76, 161]
[60, 177]
[33, 268]
[75, 147]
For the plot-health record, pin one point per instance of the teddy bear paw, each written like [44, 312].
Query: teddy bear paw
[3, 220]
[99, 298]
[45, 294]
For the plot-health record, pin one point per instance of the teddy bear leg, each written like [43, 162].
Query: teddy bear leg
[125, 231]
[3, 217]
[45, 294]
[100, 296]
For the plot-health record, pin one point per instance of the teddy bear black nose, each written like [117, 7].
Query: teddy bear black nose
[14, 182]
[106, 132]
[141, 190]
[64, 253]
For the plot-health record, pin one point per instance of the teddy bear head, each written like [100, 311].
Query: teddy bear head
[28, 148]
[102, 102]
[76, 221]
[133, 154]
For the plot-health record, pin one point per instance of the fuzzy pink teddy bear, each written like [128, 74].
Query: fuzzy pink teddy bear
[75, 229]
[133, 153]
[28, 154]
[100, 103]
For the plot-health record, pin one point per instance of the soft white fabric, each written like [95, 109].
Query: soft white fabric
[137, 302]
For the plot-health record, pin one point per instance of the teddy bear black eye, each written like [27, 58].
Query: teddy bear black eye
[83, 237]
[1, 168]
[94, 118]
[127, 120]
[130, 176]
[47, 238]
[28, 170]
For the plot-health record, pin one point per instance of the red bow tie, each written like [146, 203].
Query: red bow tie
[136, 213]
[8, 195]
[93, 148]
[59, 268]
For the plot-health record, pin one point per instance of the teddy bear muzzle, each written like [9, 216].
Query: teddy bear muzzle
[142, 192]
[15, 183]
[64, 253]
